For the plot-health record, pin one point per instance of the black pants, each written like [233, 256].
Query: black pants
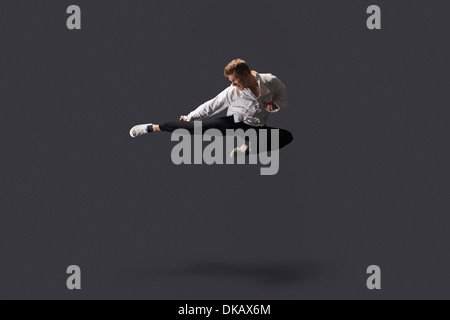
[224, 123]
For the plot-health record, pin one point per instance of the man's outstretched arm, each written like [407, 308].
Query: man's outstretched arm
[210, 107]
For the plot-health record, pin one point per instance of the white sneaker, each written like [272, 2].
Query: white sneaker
[242, 149]
[139, 130]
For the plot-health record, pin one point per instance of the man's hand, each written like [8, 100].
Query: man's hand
[182, 118]
[271, 106]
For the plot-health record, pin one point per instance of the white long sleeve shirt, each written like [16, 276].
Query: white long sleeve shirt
[243, 104]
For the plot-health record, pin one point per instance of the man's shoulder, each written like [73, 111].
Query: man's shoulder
[267, 76]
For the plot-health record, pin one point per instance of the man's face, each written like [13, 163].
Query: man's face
[240, 81]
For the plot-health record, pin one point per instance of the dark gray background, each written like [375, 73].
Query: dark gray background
[366, 180]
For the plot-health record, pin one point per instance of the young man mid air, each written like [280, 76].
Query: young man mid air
[250, 99]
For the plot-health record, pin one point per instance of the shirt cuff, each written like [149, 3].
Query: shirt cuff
[276, 110]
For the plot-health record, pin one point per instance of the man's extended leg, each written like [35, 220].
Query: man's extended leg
[221, 124]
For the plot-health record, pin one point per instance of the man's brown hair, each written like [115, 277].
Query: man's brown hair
[237, 65]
